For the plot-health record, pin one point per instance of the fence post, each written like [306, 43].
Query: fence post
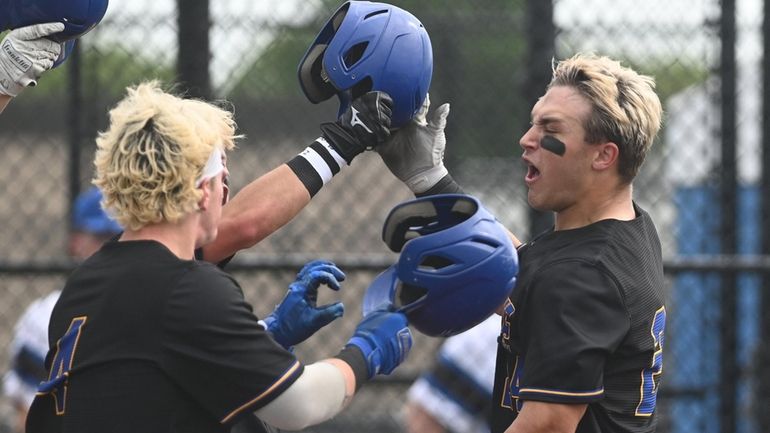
[76, 120]
[540, 33]
[194, 54]
[763, 381]
[728, 192]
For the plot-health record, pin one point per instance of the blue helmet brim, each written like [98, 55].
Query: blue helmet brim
[381, 292]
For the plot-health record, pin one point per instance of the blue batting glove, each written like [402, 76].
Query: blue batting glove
[297, 317]
[384, 339]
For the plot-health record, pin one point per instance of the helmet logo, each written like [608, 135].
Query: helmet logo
[354, 120]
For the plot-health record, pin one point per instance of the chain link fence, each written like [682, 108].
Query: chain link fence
[491, 61]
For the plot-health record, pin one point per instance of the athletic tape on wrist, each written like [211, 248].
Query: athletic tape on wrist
[316, 165]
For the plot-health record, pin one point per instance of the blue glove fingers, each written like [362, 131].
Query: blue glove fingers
[307, 287]
[324, 315]
[322, 267]
[322, 276]
[312, 264]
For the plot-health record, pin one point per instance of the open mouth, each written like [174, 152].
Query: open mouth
[532, 173]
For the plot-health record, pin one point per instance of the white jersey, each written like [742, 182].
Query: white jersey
[28, 350]
[457, 391]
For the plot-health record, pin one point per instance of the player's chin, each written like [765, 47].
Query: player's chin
[536, 200]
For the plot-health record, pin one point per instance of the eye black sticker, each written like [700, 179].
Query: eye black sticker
[553, 144]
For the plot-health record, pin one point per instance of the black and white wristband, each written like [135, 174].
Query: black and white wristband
[316, 165]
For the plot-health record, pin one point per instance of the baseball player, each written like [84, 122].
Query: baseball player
[582, 335]
[145, 338]
[90, 228]
[25, 53]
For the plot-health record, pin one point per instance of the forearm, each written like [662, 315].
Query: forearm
[4, 100]
[539, 417]
[323, 390]
[259, 209]
[514, 239]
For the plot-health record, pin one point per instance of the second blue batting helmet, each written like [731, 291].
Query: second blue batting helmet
[89, 216]
[78, 16]
[369, 46]
[457, 264]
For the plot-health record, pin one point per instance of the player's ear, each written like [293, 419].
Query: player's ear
[607, 154]
[205, 200]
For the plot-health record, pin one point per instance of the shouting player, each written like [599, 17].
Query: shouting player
[581, 344]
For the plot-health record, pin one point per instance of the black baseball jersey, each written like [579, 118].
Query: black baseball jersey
[142, 341]
[585, 324]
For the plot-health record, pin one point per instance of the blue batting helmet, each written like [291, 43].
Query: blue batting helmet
[78, 16]
[457, 264]
[369, 46]
[88, 215]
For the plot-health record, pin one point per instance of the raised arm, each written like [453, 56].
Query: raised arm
[272, 200]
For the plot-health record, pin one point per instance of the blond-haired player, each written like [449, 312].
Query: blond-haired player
[146, 338]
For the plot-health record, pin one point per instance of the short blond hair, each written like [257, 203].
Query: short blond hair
[155, 148]
[625, 108]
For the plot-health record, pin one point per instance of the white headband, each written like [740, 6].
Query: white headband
[213, 166]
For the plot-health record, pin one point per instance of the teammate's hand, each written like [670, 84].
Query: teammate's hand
[415, 153]
[364, 125]
[297, 317]
[25, 54]
[384, 340]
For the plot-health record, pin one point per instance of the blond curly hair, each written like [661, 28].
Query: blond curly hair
[625, 108]
[155, 148]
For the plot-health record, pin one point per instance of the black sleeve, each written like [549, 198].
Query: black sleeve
[220, 265]
[215, 349]
[576, 317]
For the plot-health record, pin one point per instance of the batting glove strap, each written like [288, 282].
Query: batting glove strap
[446, 185]
[316, 165]
[268, 323]
[372, 355]
[384, 340]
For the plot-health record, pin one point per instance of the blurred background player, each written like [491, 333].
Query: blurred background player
[90, 228]
[455, 394]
